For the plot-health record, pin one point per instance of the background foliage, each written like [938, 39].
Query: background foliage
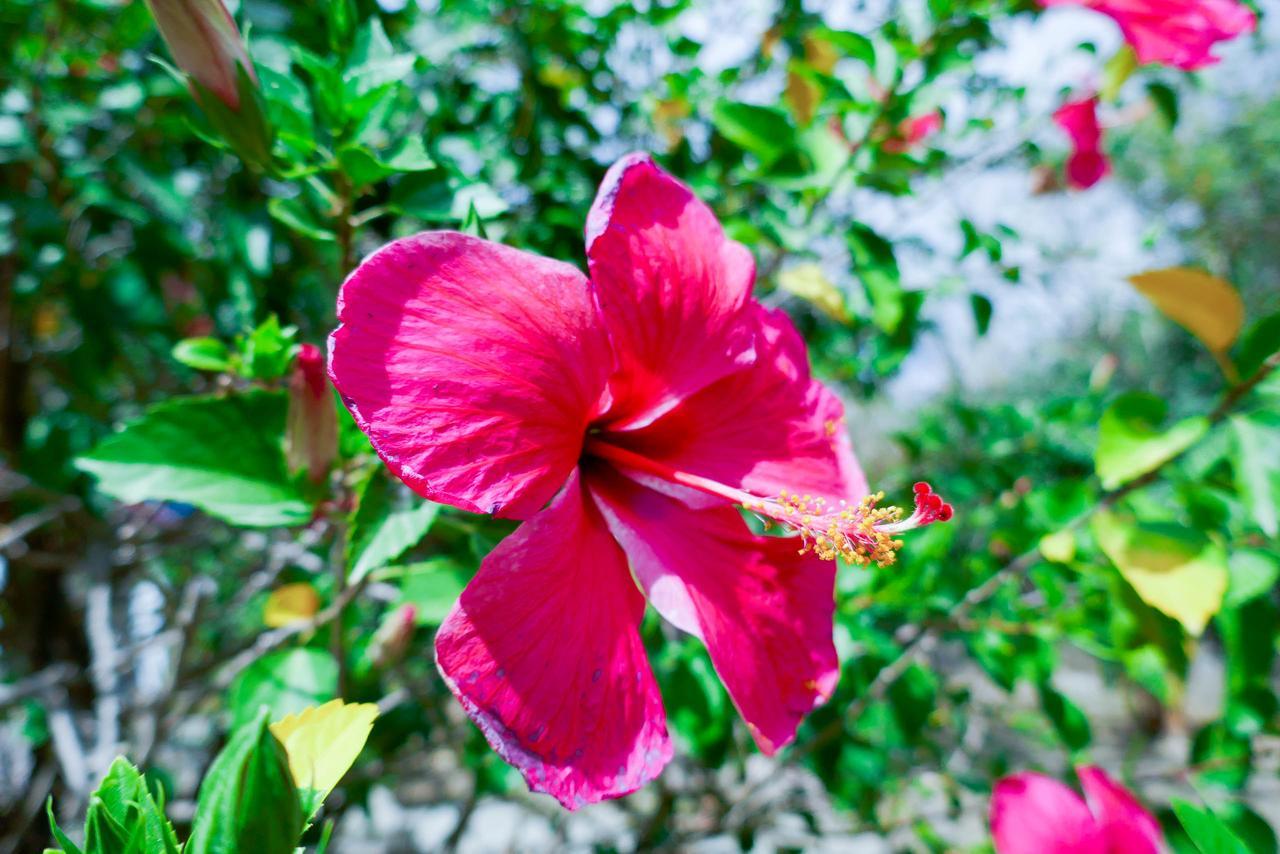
[1107, 591]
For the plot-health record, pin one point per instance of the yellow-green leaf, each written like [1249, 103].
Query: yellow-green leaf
[1208, 307]
[1059, 547]
[820, 53]
[1131, 441]
[1119, 68]
[808, 282]
[323, 743]
[291, 603]
[1174, 569]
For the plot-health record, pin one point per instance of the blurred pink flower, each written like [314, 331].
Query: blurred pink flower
[311, 431]
[914, 131]
[621, 417]
[1178, 33]
[1087, 164]
[1035, 814]
[205, 43]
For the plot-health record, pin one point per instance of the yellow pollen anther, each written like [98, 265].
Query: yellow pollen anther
[852, 533]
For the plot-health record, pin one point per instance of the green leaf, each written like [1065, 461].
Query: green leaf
[340, 21]
[876, 265]
[1257, 467]
[1254, 573]
[1226, 757]
[365, 167]
[853, 45]
[285, 681]
[322, 743]
[763, 131]
[431, 197]
[374, 65]
[123, 816]
[1165, 97]
[1068, 721]
[1174, 569]
[1208, 833]
[68, 847]
[1131, 443]
[248, 801]
[388, 520]
[267, 350]
[221, 454]
[432, 587]
[981, 313]
[294, 214]
[1260, 341]
[473, 224]
[203, 354]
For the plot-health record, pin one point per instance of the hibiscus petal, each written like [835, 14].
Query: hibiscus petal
[1176, 33]
[763, 610]
[766, 428]
[543, 652]
[1035, 814]
[473, 367]
[1127, 825]
[671, 288]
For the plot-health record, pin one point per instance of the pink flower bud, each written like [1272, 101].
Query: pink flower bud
[311, 434]
[392, 638]
[205, 43]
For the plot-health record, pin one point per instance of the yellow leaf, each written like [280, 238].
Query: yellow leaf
[1059, 547]
[1118, 69]
[323, 743]
[290, 604]
[803, 96]
[1175, 570]
[808, 282]
[1208, 307]
[820, 53]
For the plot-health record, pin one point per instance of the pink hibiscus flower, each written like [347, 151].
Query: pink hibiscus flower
[621, 417]
[914, 131]
[1087, 164]
[1177, 33]
[1035, 814]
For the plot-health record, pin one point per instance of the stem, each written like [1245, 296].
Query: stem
[344, 227]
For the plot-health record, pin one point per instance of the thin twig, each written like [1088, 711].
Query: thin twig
[924, 638]
[10, 534]
[40, 682]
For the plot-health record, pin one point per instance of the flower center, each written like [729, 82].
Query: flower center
[860, 533]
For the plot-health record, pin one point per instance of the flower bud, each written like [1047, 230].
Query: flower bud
[311, 434]
[206, 44]
[391, 640]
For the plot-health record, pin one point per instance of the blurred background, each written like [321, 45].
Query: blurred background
[973, 311]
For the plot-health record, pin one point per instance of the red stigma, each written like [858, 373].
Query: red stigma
[929, 505]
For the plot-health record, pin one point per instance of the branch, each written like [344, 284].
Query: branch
[923, 639]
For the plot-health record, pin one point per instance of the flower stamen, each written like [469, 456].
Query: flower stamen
[860, 533]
